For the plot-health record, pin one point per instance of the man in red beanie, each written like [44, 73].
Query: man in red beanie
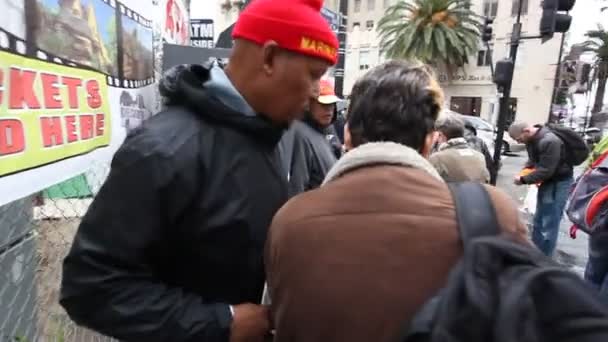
[171, 248]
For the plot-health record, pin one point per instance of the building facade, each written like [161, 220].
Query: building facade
[471, 91]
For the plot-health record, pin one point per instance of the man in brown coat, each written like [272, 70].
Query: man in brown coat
[355, 259]
[455, 160]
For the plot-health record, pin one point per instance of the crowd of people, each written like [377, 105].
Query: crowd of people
[250, 181]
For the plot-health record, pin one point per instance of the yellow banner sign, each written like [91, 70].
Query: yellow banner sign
[49, 112]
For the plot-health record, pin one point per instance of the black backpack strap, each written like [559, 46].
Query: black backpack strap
[476, 217]
[475, 212]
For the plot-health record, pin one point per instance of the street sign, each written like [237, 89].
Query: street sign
[201, 33]
[332, 18]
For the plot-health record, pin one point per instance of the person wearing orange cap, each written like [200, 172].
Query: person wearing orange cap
[313, 153]
[171, 248]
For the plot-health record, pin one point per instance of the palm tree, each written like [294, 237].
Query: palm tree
[443, 33]
[598, 44]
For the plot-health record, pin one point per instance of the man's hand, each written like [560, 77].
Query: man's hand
[517, 180]
[250, 323]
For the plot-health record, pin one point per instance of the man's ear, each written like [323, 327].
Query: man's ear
[270, 50]
[429, 141]
[348, 142]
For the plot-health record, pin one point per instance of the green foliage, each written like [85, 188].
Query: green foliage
[561, 97]
[597, 43]
[438, 32]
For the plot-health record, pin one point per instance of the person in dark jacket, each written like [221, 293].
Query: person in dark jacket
[547, 158]
[478, 145]
[339, 123]
[171, 247]
[314, 142]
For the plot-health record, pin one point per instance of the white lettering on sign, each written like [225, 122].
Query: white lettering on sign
[201, 30]
[208, 44]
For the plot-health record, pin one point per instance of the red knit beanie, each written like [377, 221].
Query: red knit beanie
[295, 25]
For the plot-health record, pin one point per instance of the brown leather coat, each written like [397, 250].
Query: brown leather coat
[355, 259]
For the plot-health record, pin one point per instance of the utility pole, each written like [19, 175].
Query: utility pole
[342, 29]
[506, 96]
[558, 74]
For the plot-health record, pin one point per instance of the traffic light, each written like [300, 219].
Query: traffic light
[552, 20]
[503, 73]
[486, 30]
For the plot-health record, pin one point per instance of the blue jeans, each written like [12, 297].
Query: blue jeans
[596, 272]
[550, 203]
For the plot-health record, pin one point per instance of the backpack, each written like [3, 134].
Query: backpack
[577, 150]
[588, 202]
[503, 291]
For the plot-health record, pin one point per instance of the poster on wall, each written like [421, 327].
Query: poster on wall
[201, 33]
[175, 22]
[75, 77]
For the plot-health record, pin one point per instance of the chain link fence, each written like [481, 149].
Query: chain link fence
[36, 233]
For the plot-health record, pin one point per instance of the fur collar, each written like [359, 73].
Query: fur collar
[456, 142]
[380, 153]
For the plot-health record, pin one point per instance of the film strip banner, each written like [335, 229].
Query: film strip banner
[125, 83]
[11, 43]
[133, 15]
[15, 45]
[129, 13]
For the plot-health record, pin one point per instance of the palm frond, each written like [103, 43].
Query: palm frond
[438, 32]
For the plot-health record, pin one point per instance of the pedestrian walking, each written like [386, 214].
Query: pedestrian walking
[455, 160]
[356, 258]
[548, 162]
[171, 247]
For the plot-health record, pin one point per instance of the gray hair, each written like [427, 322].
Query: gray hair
[450, 125]
[517, 128]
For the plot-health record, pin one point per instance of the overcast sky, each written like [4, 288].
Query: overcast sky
[586, 15]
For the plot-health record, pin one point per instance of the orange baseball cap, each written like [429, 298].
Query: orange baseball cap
[327, 95]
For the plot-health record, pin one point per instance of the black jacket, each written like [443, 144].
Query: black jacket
[547, 154]
[313, 155]
[177, 231]
[480, 146]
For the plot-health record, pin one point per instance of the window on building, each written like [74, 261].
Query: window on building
[363, 59]
[484, 57]
[466, 105]
[490, 8]
[356, 25]
[369, 25]
[515, 7]
[357, 6]
[371, 5]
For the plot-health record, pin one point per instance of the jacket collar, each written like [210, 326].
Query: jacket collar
[379, 153]
[224, 90]
[455, 142]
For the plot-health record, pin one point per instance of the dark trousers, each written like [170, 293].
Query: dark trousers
[550, 204]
